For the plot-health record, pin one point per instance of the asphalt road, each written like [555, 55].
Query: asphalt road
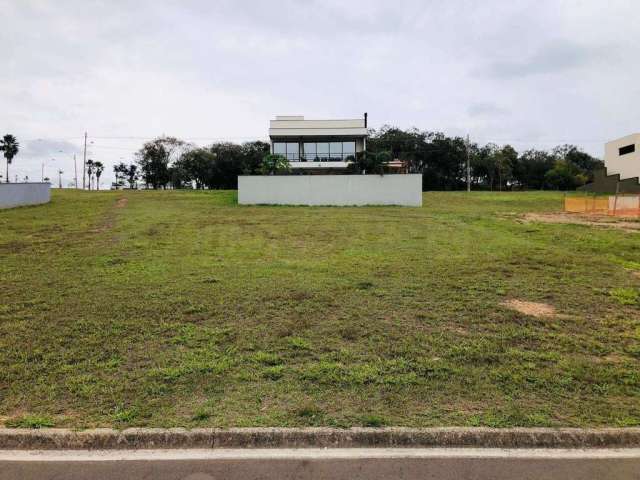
[315, 463]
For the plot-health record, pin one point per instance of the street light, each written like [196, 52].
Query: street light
[43, 162]
[75, 167]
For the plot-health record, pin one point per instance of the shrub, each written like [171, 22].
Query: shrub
[274, 164]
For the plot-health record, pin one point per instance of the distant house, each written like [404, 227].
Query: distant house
[318, 145]
[622, 167]
[622, 156]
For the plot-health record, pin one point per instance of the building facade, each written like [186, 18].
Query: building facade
[318, 145]
[622, 156]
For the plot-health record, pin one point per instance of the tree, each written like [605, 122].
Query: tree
[10, 146]
[99, 167]
[371, 162]
[132, 176]
[274, 164]
[155, 157]
[228, 164]
[483, 164]
[179, 176]
[505, 159]
[120, 171]
[531, 167]
[90, 169]
[585, 163]
[252, 154]
[199, 165]
[564, 176]
[440, 159]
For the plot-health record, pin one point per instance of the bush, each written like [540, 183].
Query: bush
[370, 163]
[274, 164]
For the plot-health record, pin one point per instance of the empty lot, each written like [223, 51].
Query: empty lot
[178, 308]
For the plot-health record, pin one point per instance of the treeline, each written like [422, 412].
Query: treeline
[168, 162]
[442, 160]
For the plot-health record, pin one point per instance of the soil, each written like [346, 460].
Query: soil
[534, 309]
[584, 219]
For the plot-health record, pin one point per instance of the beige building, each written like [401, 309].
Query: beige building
[622, 156]
[318, 144]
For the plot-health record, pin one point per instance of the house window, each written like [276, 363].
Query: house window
[627, 149]
[309, 152]
[293, 152]
[289, 150]
[322, 151]
[348, 150]
[335, 151]
[317, 151]
[280, 149]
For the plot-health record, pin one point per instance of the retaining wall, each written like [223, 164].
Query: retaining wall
[340, 190]
[20, 194]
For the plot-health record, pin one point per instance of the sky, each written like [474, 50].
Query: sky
[528, 73]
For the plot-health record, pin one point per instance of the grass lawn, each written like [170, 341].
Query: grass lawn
[184, 309]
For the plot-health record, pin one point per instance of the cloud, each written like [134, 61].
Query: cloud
[553, 58]
[485, 109]
[128, 71]
[42, 147]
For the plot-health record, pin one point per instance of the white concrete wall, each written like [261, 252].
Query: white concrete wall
[341, 190]
[19, 194]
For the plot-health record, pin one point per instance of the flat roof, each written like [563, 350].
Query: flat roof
[297, 126]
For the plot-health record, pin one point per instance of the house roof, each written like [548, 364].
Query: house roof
[297, 126]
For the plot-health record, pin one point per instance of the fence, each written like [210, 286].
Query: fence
[617, 205]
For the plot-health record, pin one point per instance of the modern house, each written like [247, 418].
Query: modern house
[622, 156]
[318, 145]
[622, 167]
[324, 148]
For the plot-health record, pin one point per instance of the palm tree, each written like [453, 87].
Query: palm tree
[90, 166]
[10, 146]
[99, 168]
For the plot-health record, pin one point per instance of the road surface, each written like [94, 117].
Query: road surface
[323, 463]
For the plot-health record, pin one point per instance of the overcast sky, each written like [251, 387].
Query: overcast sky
[530, 73]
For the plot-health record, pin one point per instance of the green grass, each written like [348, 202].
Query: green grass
[185, 309]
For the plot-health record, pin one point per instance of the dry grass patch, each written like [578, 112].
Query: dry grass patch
[535, 309]
[584, 219]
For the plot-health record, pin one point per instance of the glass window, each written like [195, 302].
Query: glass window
[335, 150]
[349, 148]
[322, 151]
[293, 152]
[279, 148]
[308, 152]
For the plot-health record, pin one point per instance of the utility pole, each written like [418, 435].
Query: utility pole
[84, 160]
[468, 166]
[75, 170]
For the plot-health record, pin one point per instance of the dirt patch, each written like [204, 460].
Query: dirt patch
[582, 219]
[110, 218]
[534, 309]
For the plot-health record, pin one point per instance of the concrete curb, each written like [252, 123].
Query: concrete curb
[152, 438]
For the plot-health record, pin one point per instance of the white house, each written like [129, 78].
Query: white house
[622, 156]
[318, 145]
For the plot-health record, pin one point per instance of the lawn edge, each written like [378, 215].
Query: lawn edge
[158, 438]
